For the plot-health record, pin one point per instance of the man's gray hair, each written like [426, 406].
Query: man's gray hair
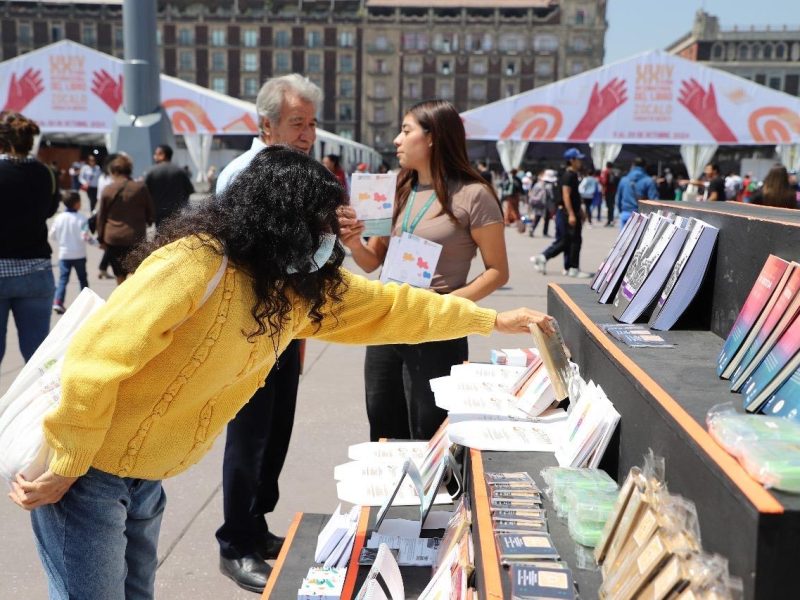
[270, 96]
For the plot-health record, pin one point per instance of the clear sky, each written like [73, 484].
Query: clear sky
[636, 26]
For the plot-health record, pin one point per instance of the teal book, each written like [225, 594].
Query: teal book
[757, 300]
[786, 401]
[514, 547]
[533, 582]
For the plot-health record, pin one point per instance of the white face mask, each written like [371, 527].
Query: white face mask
[321, 256]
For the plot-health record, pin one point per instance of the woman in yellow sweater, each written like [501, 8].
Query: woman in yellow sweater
[152, 378]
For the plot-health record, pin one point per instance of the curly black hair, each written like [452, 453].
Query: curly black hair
[271, 217]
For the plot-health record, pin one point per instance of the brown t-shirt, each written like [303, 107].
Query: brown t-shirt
[474, 207]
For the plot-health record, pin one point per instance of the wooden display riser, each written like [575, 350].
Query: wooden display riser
[663, 395]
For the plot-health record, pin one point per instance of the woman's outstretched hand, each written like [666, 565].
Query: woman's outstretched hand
[519, 320]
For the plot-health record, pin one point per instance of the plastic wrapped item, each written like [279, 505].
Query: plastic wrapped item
[775, 464]
[588, 514]
[584, 558]
[732, 430]
[561, 480]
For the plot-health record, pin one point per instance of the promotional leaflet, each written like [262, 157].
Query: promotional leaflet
[372, 197]
[410, 259]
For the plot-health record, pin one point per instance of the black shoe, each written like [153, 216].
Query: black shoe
[249, 572]
[272, 548]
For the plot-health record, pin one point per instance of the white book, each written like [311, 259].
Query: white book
[385, 567]
[506, 435]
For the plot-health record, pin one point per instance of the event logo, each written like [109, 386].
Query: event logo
[653, 94]
[602, 102]
[702, 104]
[186, 115]
[538, 122]
[22, 90]
[68, 82]
[107, 89]
[774, 124]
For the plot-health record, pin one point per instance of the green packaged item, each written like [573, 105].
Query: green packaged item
[733, 430]
[588, 515]
[775, 464]
[584, 482]
[585, 533]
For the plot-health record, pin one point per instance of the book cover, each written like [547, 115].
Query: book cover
[610, 285]
[529, 582]
[619, 243]
[775, 369]
[552, 351]
[514, 547]
[782, 314]
[756, 300]
[785, 402]
[686, 277]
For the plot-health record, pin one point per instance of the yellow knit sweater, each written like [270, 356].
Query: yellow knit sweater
[142, 398]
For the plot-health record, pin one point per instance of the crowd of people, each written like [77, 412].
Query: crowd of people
[207, 333]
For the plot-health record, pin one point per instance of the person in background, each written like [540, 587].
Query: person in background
[74, 175]
[542, 200]
[30, 196]
[168, 184]
[126, 209]
[733, 186]
[485, 172]
[666, 185]
[609, 182]
[443, 199]
[715, 190]
[102, 182]
[70, 230]
[88, 176]
[635, 185]
[258, 438]
[333, 163]
[569, 221]
[776, 190]
[211, 177]
[747, 182]
[511, 191]
[151, 379]
[587, 188]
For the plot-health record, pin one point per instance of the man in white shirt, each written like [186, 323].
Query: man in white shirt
[258, 438]
[88, 178]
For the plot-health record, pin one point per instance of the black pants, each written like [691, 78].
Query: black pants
[92, 193]
[568, 240]
[400, 403]
[255, 449]
[587, 206]
[545, 215]
[610, 206]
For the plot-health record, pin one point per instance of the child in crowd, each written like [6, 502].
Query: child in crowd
[71, 231]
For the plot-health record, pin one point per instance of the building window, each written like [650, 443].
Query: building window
[379, 90]
[545, 43]
[186, 60]
[446, 90]
[185, 36]
[479, 67]
[159, 37]
[314, 39]
[544, 68]
[510, 42]
[346, 133]
[313, 62]
[250, 86]
[580, 44]
[576, 67]
[56, 32]
[89, 34]
[379, 114]
[488, 42]
[24, 33]
[250, 61]
[744, 52]
[445, 42]
[780, 51]
[250, 38]
[346, 88]
[717, 51]
[415, 41]
[580, 17]
[346, 63]
[218, 37]
[345, 111]
[282, 38]
[381, 42]
[477, 91]
[218, 84]
[347, 39]
[510, 89]
[218, 60]
[445, 68]
[412, 65]
[412, 90]
[511, 68]
[775, 83]
[282, 62]
[768, 51]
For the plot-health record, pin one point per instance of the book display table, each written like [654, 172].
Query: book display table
[663, 395]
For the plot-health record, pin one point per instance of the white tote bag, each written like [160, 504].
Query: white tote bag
[37, 389]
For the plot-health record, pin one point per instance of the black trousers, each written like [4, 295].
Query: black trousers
[400, 403]
[255, 449]
[568, 240]
[610, 206]
[92, 193]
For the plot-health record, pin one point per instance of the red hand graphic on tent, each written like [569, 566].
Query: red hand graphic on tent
[107, 89]
[23, 90]
[703, 105]
[602, 102]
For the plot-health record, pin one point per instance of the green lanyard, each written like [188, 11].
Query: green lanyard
[420, 214]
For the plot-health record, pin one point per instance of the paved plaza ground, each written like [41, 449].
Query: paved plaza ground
[330, 417]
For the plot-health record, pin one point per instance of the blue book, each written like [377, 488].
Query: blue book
[530, 581]
[786, 401]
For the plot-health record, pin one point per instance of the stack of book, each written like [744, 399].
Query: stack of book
[655, 268]
[322, 583]
[514, 357]
[523, 542]
[761, 355]
[650, 547]
[335, 541]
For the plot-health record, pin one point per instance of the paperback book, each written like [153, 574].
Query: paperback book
[514, 547]
[785, 402]
[534, 582]
[619, 243]
[610, 284]
[553, 352]
[757, 300]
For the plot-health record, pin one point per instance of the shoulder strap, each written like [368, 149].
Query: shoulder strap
[210, 288]
[114, 199]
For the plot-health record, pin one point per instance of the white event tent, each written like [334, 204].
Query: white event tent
[651, 98]
[68, 88]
